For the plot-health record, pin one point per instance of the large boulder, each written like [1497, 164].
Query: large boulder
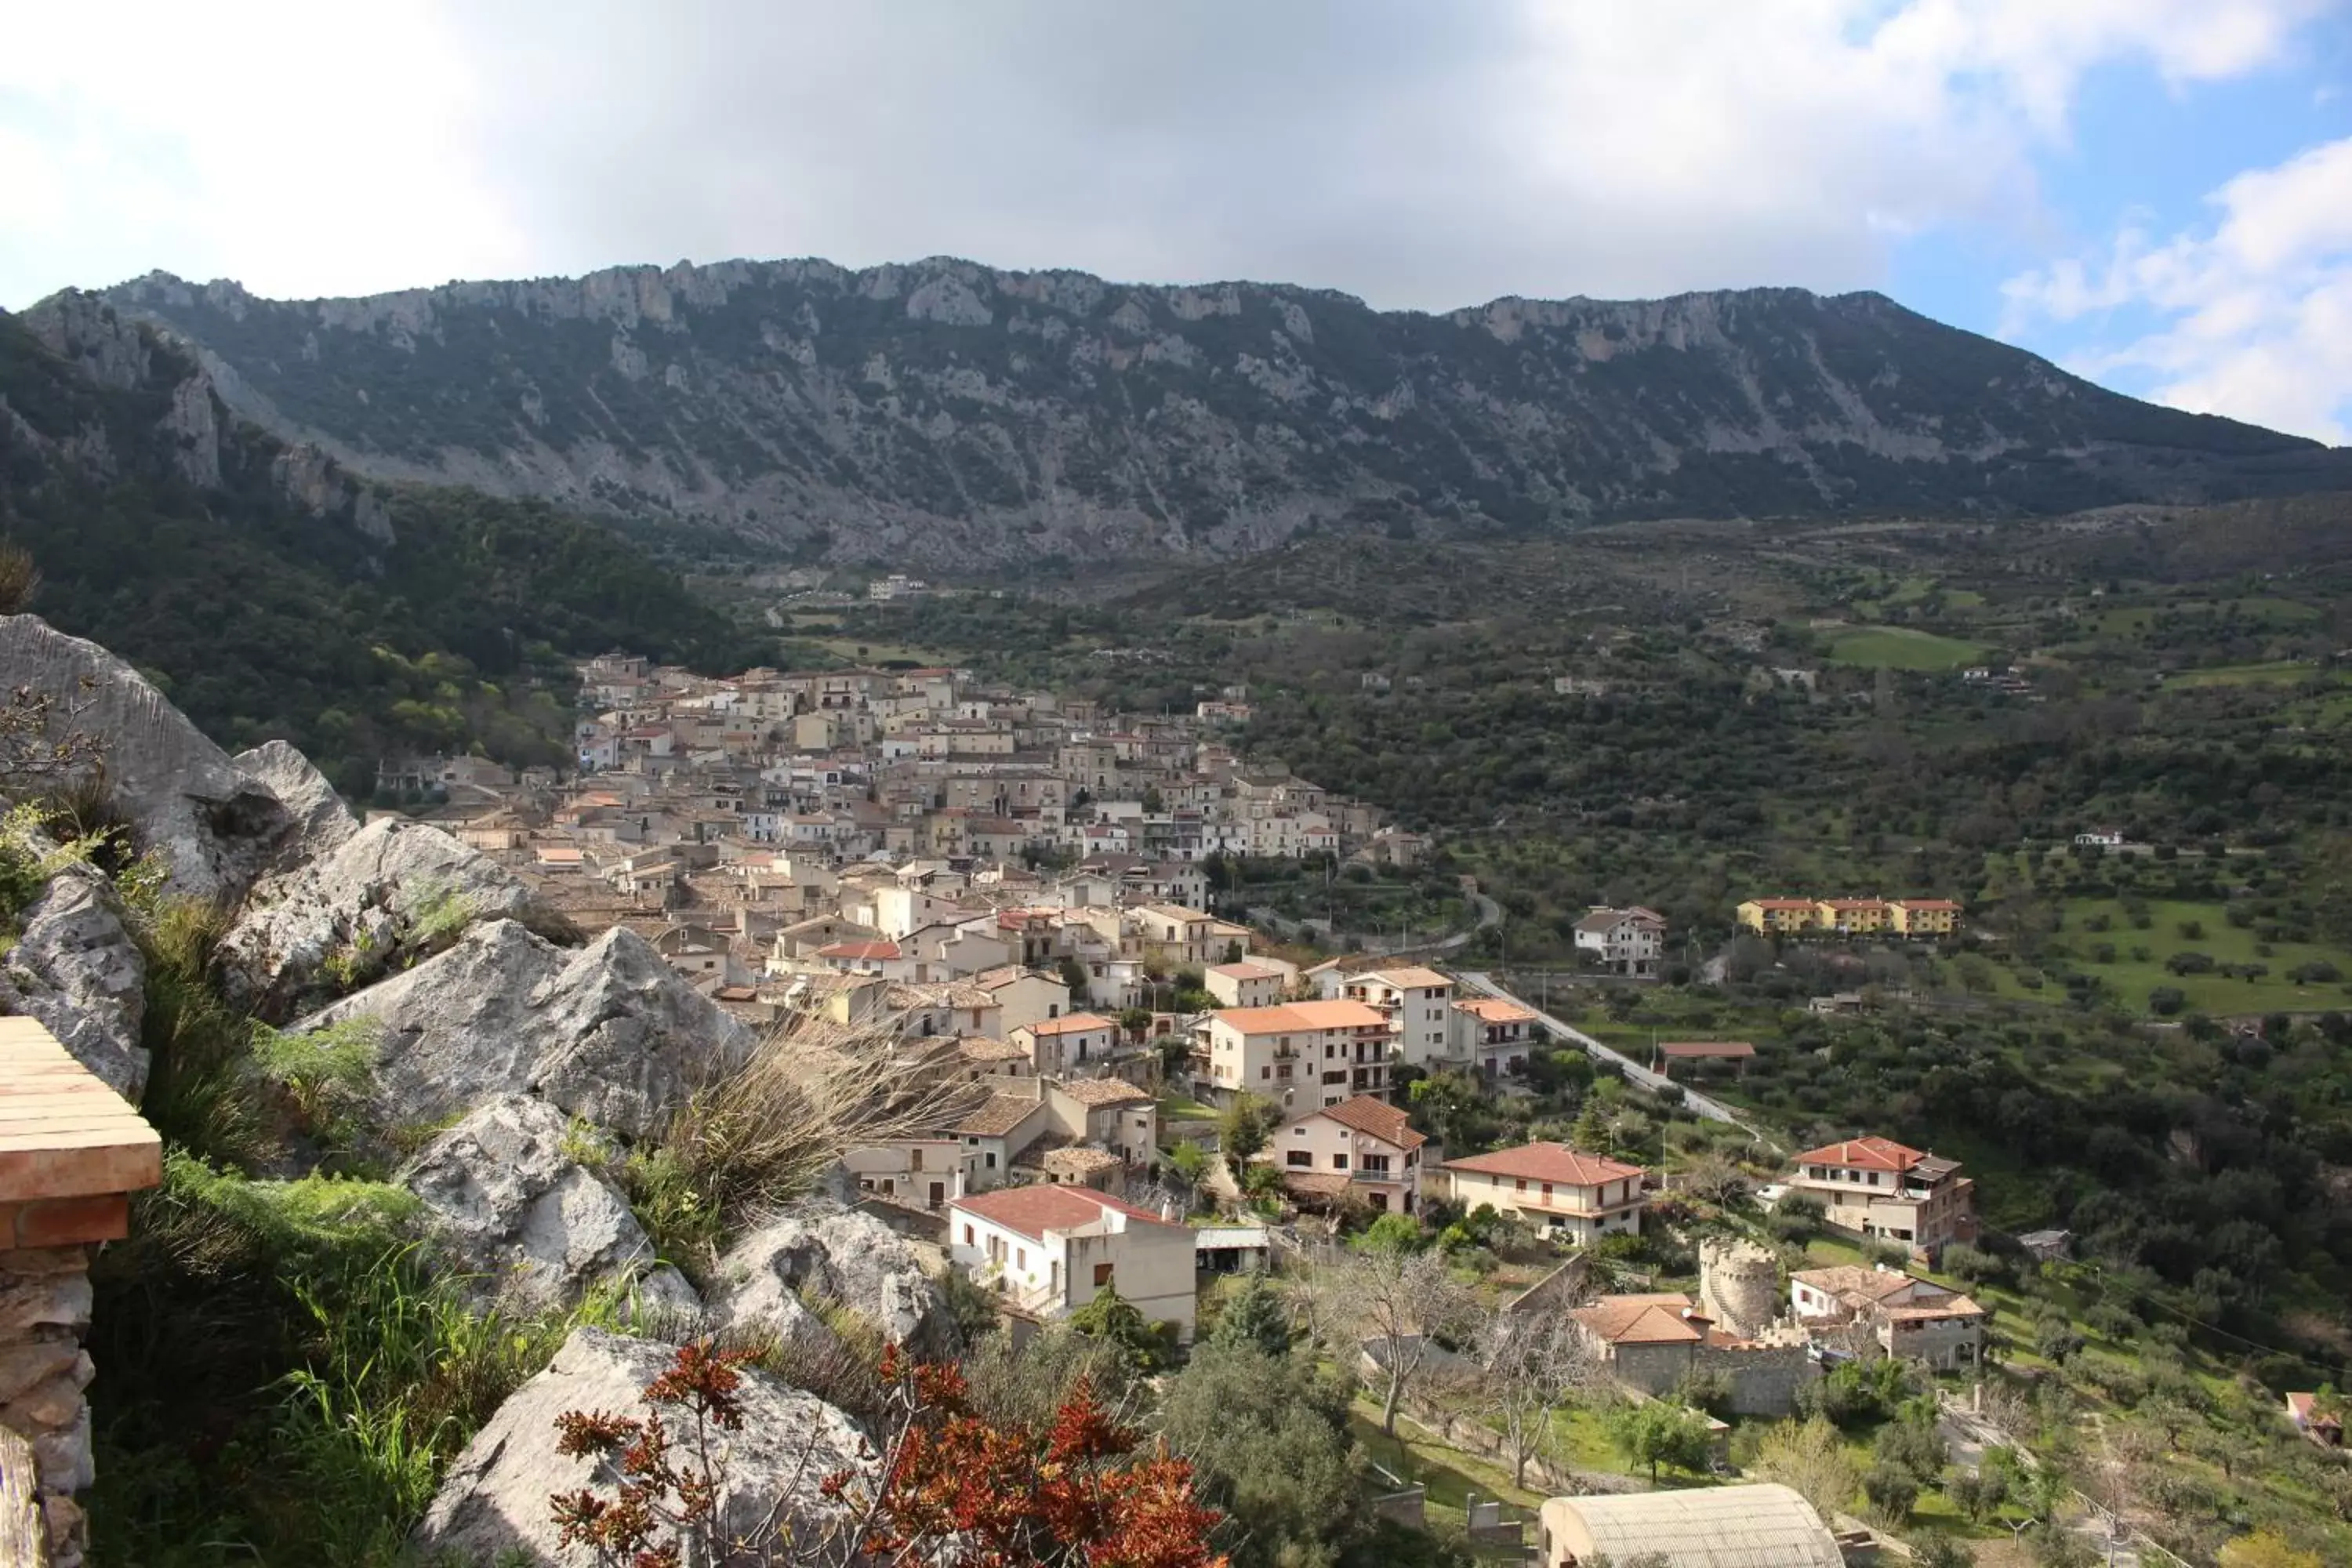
[215, 826]
[518, 1213]
[77, 969]
[494, 1500]
[370, 900]
[840, 1255]
[609, 1032]
[320, 820]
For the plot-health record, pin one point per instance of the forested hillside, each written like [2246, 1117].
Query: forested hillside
[270, 594]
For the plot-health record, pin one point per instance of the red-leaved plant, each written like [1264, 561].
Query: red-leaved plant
[948, 1490]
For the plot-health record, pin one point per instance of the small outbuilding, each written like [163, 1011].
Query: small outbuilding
[1763, 1526]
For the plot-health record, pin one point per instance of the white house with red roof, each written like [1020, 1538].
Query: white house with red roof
[1076, 1042]
[1299, 1056]
[1048, 1249]
[1877, 1187]
[1574, 1197]
[1493, 1036]
[1362, 1147]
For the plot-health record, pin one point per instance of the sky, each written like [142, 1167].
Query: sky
[2155, 194]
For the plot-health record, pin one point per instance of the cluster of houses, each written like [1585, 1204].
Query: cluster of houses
[1913, 918]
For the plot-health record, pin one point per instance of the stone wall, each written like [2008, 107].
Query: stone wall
[43, 1311]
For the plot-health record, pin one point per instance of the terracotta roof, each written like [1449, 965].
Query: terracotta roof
[1301, 1017]
[1871, 1154]
[1641, 1319]
[1075, 1024]
[1782, 903]
[977, 1050]
[1927, 904]
[1724, 1048]
[1945, 1304]
[1853, 903]
[1102, 1091]
[1246, 971]
[1853, 1283]
[1547, 1163]
[860, 950]
[1409, 978]
[1034, 1210]
[996, 1116]
[1495, 1010]
[1375, 1117]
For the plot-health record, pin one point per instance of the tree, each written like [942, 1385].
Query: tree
[1113, 1318]
[1656, 1433]
[1243, 1131]
[1892, 1491]
[1393, 1233]
[945, 1481]
[1074, 975]
[1590, 1131]
[1268, 1442]
[1811, 1459]
[1254, 1318]
[1188, 1163]
[1529, 1365]
[1941, 1552]
[1389, 1302]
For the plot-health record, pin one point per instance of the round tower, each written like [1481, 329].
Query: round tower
[1739, 1284]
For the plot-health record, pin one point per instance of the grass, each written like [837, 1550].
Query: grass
[1901, 647]
[1416, 1459]
[2225, 943]
[1175, 1107]
[2282, 671]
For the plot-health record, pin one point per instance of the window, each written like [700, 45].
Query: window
[991, 1159]
[1339, 1162]
[1300, 1159]
[967, 1235]
[1299, 1131]
[1547, 1191]
[1102, 1275]
[1519, 1183]
[1266, 1071]
[1020, 1257]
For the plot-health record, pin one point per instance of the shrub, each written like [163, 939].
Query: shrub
[1892, 1491]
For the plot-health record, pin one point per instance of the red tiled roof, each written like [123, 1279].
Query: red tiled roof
[1301, 1017]
[1034, 1210]
[1495, 1010]
[1927, 904]
[1077, 1023]
[859, 949]
[1547, 1163]
[1376, 1118]
[1723, 1049]
[1641, 1320]
[1871, 1154]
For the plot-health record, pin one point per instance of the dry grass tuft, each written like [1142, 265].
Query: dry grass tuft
[755, 1138]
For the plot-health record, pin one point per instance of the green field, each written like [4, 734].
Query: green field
[1901, 647]
[2282, 671]
[2133, 977]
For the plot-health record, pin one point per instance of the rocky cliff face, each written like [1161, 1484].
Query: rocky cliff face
[948, 413]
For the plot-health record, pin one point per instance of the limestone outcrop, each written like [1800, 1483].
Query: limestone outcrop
[840, 1255]
[215, 826]
[372, 901]
[516, 1210]
[609, 1032]
[494, 1500]
[76, 969]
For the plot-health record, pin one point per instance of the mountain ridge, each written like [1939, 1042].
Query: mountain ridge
[944, 413]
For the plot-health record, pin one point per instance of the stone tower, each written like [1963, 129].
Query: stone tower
[1739, 1284]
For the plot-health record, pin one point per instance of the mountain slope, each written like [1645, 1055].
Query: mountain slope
[948, 413]
[274, 595]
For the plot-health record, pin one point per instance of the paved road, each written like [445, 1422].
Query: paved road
[1714, 1109]
[1490, 913]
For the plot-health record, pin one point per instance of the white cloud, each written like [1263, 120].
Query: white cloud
[2249, 316]
[1418, 154]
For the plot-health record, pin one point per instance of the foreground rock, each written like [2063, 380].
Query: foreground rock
[843, 1256]
[609, 1033]
[320, 821]
[495, 1497]
[215, 826]
[520, 1214]
[371, 902]
[77, 970]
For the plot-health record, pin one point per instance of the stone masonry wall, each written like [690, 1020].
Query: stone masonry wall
[43, 1311]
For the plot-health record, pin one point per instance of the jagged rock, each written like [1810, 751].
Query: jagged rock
[852, 1259]
[77, 970]
[215, 826]
[525, 1217]
[494, 1499]
[609, 1033]
[320, 820]
[379, 896]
